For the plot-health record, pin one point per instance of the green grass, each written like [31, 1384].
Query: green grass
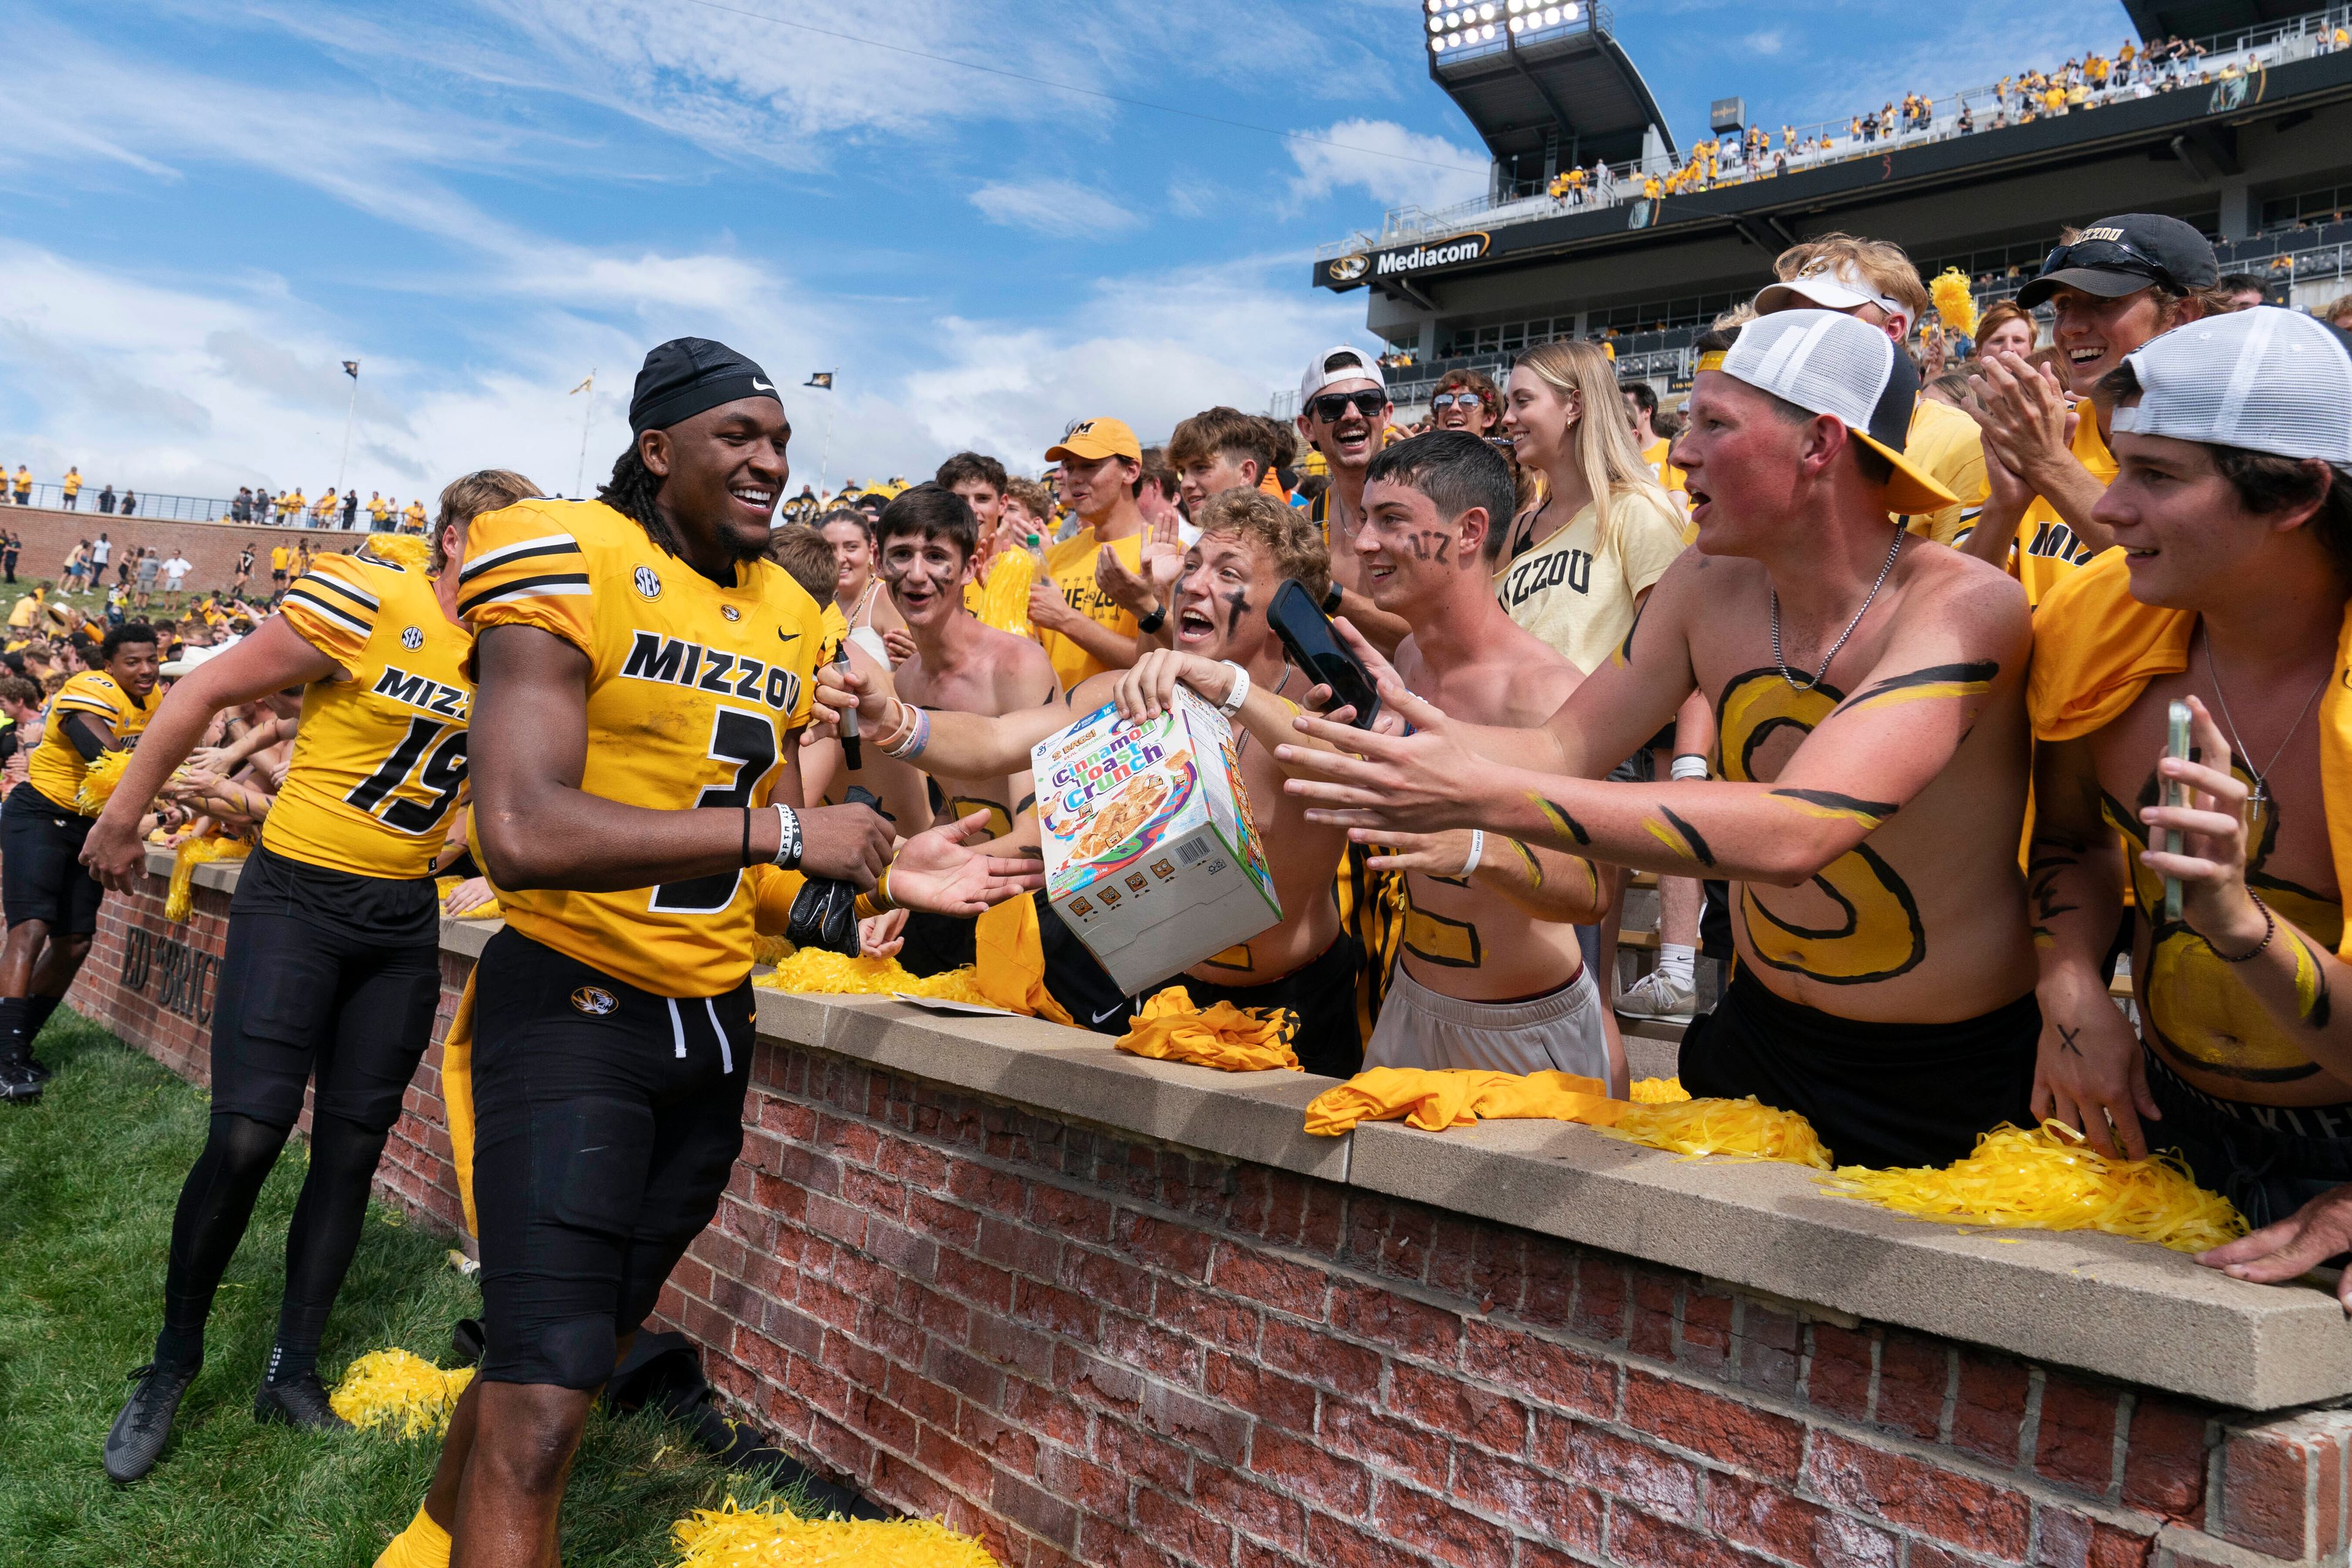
[88, 1180]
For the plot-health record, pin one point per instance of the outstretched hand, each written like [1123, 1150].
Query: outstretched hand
[1379, 785]
[2314, 1233]
[939, 870]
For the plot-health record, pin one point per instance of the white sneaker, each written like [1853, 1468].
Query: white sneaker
[1656, 996]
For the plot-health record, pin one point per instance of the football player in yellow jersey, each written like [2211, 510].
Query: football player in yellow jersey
[642, 678]
[280, 558]
[2115, 285]
[332, 967]
[50, 901]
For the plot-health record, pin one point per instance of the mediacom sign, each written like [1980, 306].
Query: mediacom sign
[1451, 252]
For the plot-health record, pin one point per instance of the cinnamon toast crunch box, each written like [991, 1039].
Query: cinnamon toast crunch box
[1150, 854]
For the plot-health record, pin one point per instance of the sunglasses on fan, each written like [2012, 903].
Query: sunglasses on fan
[1330, 408]
[1459, 399]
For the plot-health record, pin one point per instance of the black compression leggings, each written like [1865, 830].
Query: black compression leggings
[217, 1206]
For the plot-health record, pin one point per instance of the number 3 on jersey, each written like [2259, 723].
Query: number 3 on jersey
[749, 740]
[443, 774]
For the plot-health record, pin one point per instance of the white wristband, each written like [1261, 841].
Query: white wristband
[1477, 852]
[1240, 692]
[1689, 766]
[788, 837]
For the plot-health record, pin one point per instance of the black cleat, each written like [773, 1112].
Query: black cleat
[40, 1074]
[298, 1402]
[144, 1425]
[19, 1080]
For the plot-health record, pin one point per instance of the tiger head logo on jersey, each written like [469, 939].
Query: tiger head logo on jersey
[594, 1001]
[648, 582]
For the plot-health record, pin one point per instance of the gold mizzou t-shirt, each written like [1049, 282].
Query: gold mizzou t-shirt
[1576, 593]
[1071, 564]
[381, 758]
[694, 692]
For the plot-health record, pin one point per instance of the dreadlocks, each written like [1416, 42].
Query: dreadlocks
[630, 491]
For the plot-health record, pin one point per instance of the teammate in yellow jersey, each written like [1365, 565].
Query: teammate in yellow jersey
[332, 968]
[2115, 285]
[281, 558]
[50, 901]
[643, 679]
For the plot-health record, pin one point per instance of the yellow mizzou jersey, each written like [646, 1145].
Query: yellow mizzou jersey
[693, 691]
[56, 768]
[381, 757]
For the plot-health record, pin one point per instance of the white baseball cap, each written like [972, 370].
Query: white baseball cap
[2263, 379]
[1825, 362]
[1839, 288]
[1340, 363]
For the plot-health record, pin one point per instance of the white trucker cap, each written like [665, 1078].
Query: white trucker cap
[1825, 362]
[1340, 363]
[1838, 288]
[2263, 379]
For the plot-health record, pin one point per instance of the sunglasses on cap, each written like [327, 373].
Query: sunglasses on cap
[2109, 256]
[1460, 399]
[1330, 408]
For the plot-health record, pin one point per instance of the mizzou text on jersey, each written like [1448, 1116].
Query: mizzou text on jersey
[693, 693]
[381, 759]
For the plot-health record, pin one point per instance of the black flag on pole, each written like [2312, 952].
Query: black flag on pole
[821, 379]
[352, 368]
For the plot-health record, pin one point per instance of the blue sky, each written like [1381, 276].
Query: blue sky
[211, 204]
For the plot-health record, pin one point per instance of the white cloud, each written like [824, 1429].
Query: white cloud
[1766, 43]
[1059, 209]
[1396, 166]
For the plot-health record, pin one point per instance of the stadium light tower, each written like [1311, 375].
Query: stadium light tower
[1545, 83]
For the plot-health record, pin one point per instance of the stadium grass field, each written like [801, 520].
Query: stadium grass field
[88, 1177]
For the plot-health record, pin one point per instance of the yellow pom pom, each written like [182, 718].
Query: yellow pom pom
[403, 1390]
[97, 781]
[771, 1537]
[179, 894]
[1004, 598]
[816, 969]
[1953, 301]
[1741, 1129]
[2050, 1179]
[1659, 1091]
[410, 550]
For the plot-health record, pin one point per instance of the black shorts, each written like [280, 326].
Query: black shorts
[2268, 1160]
[606, 1121]
[330, 974]
[1322, 991]
[1878, 1094]
[41, 874]
[937, 944]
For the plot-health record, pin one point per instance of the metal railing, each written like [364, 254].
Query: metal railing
[148, 505]
[2218, 61]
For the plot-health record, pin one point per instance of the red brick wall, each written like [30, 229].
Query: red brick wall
[211, 546]
[1094, 1348]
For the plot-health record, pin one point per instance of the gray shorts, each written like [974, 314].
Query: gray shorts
[1559, 1032]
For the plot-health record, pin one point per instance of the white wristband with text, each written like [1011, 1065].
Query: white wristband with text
[1690, 765]
[1477, 851]
[1240, 692]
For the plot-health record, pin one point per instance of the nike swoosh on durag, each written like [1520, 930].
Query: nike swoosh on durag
[758, 386]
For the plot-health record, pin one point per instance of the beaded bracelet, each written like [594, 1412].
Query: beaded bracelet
[2270, 929]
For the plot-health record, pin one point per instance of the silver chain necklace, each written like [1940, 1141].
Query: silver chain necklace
[2261, 775]
[1892, 550]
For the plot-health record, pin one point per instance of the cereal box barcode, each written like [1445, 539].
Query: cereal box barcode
[1193, 851]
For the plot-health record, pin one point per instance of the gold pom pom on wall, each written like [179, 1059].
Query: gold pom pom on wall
[409, 550]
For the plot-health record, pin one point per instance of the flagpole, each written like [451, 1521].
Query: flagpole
[343, 466]
[579, 476]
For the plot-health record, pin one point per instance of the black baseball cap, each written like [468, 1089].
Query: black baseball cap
[2123, 255]
[683, 376]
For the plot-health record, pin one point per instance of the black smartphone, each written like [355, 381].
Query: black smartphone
[1317, 649]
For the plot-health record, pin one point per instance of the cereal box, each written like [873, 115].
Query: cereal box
[1150, 855]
